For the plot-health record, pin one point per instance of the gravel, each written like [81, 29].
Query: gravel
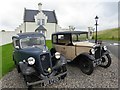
[100, 78]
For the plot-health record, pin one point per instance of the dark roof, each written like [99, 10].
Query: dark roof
[40, 28]
[28, 34]
[72, 32]
[29, 15]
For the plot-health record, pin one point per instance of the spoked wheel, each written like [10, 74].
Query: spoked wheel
[86, 65]
[106, 61]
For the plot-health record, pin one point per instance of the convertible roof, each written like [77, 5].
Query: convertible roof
[71, 32]
[28, 34]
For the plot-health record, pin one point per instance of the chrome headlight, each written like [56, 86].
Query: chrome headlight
[105, 48]
[93, 51]
[31, 61]
[57, 55]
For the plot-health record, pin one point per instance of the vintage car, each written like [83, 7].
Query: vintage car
[33, 59]
[76, 47]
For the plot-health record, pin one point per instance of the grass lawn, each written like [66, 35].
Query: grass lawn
[7, 62]
[49, 44]
[6, 55]
[111, 34]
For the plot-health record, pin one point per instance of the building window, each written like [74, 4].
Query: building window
[41, 22]
[38, 22]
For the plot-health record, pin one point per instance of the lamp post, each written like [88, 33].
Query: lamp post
[96, 19]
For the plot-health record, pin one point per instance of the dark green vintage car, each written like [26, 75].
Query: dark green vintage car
[33, 59]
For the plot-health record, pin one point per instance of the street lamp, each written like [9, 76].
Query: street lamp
[96, 19]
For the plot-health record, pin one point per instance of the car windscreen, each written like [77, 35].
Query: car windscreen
[32, 42]
[79, 37]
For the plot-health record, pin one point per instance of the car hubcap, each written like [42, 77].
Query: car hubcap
[104, 60]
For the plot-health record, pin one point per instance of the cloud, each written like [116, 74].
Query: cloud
[80, 13]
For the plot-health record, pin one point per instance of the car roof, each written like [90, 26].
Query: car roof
[28, 34]
[70, 32]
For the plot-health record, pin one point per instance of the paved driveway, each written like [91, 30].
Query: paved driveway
[100, 78]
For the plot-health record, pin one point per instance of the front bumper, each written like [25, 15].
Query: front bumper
[49, 80]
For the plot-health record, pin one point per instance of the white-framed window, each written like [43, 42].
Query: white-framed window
[43, 21]
[40, 21]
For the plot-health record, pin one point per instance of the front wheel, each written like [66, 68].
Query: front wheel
[86, 65]
[106, 61]
[64, 69]
[17, 67]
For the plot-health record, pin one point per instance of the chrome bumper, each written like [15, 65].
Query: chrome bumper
[50, 80]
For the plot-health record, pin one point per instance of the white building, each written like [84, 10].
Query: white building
[39, 21]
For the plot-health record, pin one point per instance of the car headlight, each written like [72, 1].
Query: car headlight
[105, 48]
[31, 61]
[93, 51]
[57, 55]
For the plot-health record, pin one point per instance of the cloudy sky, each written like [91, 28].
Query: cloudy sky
[78, 13]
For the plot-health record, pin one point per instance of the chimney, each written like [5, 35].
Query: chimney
[40, 7]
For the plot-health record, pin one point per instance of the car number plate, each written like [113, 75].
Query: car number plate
[51, 81]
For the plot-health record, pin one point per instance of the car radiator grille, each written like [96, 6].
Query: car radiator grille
[45, 61]
[97, 52]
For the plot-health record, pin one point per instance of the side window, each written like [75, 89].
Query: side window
[82, 37]
[74, 37]
[54, 38]
[64, 39]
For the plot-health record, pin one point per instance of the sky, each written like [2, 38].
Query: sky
[78, 13]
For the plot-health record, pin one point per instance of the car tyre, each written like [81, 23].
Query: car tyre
[17, 67]
[30, 87]
[64, 69]
[106, 61]
[53, 51]
[86, 65]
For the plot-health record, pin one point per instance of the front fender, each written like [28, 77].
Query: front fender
[62, 61]
[91, 57]
[106, 52]
[25, 69]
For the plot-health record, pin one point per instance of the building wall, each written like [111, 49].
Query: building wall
[30, 26]
[51, 28]
[6, 37]
[20, 28]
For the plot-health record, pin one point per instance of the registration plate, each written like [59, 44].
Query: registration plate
[51, 81]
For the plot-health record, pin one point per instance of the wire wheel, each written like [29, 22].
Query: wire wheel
[86, 65]
[106, 61]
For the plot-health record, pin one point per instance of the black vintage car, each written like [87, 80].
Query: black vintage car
[33, 59]
[76, 47]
